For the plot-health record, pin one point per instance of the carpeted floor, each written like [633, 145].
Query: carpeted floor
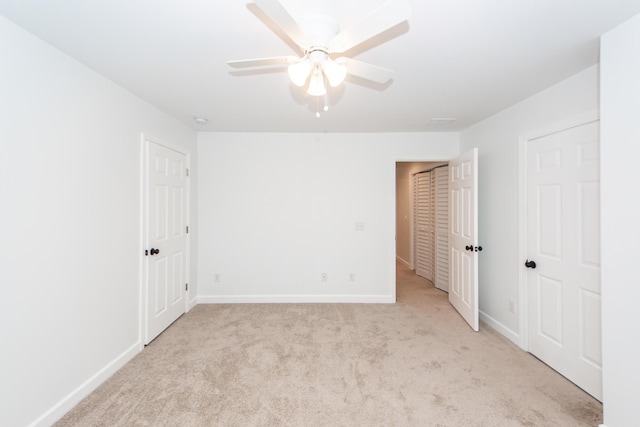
[414, 363]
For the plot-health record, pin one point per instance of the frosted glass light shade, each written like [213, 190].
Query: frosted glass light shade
[335, 72]
[299, 72]
[316, 84]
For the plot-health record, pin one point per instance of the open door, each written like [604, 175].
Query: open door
[463, 236]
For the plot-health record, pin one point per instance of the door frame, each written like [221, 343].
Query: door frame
[145, 139]
[524, 140]
[406, 159]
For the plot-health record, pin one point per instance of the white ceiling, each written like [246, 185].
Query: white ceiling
[465, 59]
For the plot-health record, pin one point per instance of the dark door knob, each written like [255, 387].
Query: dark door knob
[469, 248]
[530, 264]
[154, 251]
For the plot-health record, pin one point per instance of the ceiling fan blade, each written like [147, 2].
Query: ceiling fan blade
[365, 70]
[381, 19]
[281, 16]
[263, 62]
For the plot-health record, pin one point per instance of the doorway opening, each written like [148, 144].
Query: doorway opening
[421, 214]
[462, 246]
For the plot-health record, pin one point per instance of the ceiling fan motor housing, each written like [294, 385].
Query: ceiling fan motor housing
[319, 30]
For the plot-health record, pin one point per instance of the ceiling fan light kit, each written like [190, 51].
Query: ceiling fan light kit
[299, 72]
[319, 39]
[316, 83]
[314, 67]
[336, 72]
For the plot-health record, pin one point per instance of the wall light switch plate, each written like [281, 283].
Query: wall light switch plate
[359, 225]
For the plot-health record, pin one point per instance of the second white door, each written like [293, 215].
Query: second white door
[563, 240]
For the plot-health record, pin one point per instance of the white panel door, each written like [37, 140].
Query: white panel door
[463, 236]
[563, 240]
[441, 270]
[423, 225]
[165, 238]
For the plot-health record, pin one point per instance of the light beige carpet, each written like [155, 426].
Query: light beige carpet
[415, 363]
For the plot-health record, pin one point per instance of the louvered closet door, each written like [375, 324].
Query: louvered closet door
[423, 225]
[441, 181]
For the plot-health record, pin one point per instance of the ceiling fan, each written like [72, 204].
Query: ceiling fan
[320, 40]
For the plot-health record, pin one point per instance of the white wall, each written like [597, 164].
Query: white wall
[497, 139]
[277, 210]
[620, 151]
[70, 167]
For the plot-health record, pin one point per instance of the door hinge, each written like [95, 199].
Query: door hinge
[187, 229]
[187, 172]
[186, 286]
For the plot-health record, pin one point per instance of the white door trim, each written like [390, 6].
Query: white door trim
[143, 288]
[524, 139]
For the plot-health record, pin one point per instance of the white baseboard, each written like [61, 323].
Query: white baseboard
[192, 303]
[66, 404]
[404, 261]
[279, 299]
[500, 328]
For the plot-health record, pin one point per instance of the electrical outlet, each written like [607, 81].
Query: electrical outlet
[359, 226]
[324, 277]
[217, 278]
[352, 277]
[512, 306]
